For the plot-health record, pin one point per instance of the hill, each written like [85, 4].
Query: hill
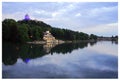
[30, 30]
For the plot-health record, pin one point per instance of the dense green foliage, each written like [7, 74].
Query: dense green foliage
[9, 30]
[22, 31]
[92, 36]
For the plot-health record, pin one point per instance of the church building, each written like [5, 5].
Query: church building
[27, 17]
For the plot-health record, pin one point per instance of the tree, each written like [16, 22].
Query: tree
[92, 36]
[23, 32]
[36, 33]
[31, 30]
[9, 30]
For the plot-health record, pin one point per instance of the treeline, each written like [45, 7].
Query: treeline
[23, 30]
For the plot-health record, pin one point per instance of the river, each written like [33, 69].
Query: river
[69, 60]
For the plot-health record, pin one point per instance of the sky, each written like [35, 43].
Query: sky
[99, 18]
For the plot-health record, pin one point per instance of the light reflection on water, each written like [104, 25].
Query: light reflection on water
[105, 48]
[89, 62]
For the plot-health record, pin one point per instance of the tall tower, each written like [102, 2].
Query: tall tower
[27, 17]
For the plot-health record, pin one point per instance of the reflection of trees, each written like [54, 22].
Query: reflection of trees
[10, 54]
[114, 42]
[92, 43]
[27, 51]
[68, 47]
[31, 51]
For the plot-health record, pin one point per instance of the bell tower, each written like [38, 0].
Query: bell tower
[27, 17]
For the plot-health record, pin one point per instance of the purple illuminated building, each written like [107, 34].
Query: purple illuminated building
[27, 17]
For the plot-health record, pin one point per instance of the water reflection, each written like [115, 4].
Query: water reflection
[68, 60]
[114, 42]
[93, 43]
[68, 47]
[11, 52]
[26, 60]
[48, 46]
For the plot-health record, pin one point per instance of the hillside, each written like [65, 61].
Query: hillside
[30, 30]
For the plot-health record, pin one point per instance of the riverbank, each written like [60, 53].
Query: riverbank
[74, 41]
[36, 42]
[44, 42]
[59, 42]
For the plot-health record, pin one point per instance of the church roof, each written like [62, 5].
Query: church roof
[27, 17]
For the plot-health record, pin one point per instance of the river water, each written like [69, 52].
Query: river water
[69, 60]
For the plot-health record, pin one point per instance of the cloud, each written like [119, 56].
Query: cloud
[58, 13]
[101, 10]
[39, 12]
[64, 10]
[78, 14]
[71, 15]
[104, 28]
[16, 16]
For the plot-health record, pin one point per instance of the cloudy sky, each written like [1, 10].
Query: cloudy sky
[100, 18]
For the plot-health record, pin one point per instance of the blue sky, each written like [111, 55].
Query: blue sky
[100, 18]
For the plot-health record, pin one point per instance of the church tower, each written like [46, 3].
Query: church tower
[27, 17]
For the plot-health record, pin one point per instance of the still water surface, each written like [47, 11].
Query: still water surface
[70, 60]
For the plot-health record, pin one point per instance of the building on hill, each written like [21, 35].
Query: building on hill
[48, 37]
[27, 17]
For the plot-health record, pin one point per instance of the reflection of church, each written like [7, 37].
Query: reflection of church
[47, 47]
